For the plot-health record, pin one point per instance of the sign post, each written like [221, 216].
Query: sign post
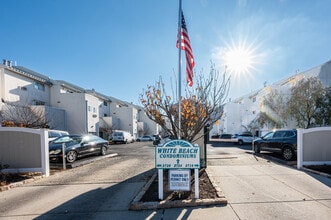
[180, 157]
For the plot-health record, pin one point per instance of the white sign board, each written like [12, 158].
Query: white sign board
[178, 154]
[179, 180]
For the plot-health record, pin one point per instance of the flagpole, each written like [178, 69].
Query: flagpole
[179, 40]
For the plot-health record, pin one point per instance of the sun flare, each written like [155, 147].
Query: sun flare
[239, 60]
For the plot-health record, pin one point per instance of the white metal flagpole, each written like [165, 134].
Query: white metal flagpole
[179, 40]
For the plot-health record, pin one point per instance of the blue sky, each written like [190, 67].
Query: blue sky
[118, 47]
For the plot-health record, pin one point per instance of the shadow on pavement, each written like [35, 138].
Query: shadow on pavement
[323, 174]
[79, 162]
[320, 173]
[100, 201]
[228, 144]
[110, 203]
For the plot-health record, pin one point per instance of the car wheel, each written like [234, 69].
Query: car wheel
[71, 156]
[256, 149]
[138, 140]
[103, 151]
[240, 142]
[288, 153]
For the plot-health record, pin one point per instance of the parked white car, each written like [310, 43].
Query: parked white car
[123, 137]
[244, 138]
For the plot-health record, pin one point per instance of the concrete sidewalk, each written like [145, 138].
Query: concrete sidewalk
[260, 189]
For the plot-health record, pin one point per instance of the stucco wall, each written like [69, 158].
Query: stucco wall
[13, 87]
[314, 146]
[24, 149]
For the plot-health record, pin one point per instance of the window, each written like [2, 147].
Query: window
[289, 134]
[39, 86]
[52, 134]
[105, 115]
[105, 103]
[89, 108]
[39, 102]
[280, 133]
[94, 110]
[268, 135]
[22, 88]
[64, 90]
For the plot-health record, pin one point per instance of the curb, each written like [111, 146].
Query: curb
[316, 172]
[21, 183]
[137, 206]
[84, 162]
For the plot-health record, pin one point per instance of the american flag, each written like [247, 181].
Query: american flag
[186, 45]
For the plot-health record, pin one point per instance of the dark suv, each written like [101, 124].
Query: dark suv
[279, 141]
[156, 139]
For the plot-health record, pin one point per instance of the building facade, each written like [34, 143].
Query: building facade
[69, 107]
[24, 87]
[240, 114]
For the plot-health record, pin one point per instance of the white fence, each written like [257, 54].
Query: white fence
[24, 150]
[314, 146]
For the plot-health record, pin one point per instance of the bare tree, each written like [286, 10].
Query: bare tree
[146, 130]
[202, 105]
[264, 119]
[106, 129]
[23, 116]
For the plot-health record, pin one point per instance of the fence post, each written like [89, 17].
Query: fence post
[64, 156]
[299, 148]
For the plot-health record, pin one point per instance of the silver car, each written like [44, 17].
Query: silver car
[145, 138]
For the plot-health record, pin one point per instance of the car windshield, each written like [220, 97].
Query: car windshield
[268, 135]
[66, 139]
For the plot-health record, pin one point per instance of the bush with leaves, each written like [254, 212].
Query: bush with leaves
[302, 101]
[2, 174]
[322, 115]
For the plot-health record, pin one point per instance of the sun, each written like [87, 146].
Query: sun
[239, 60]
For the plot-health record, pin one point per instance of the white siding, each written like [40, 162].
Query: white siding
[92, 103]
[20, 89]
[239, 113]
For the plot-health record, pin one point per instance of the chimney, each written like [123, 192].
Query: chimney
[4, 62]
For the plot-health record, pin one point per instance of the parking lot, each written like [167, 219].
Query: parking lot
[126, 149]
[113, 151]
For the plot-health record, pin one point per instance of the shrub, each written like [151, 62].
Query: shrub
[3, 175]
